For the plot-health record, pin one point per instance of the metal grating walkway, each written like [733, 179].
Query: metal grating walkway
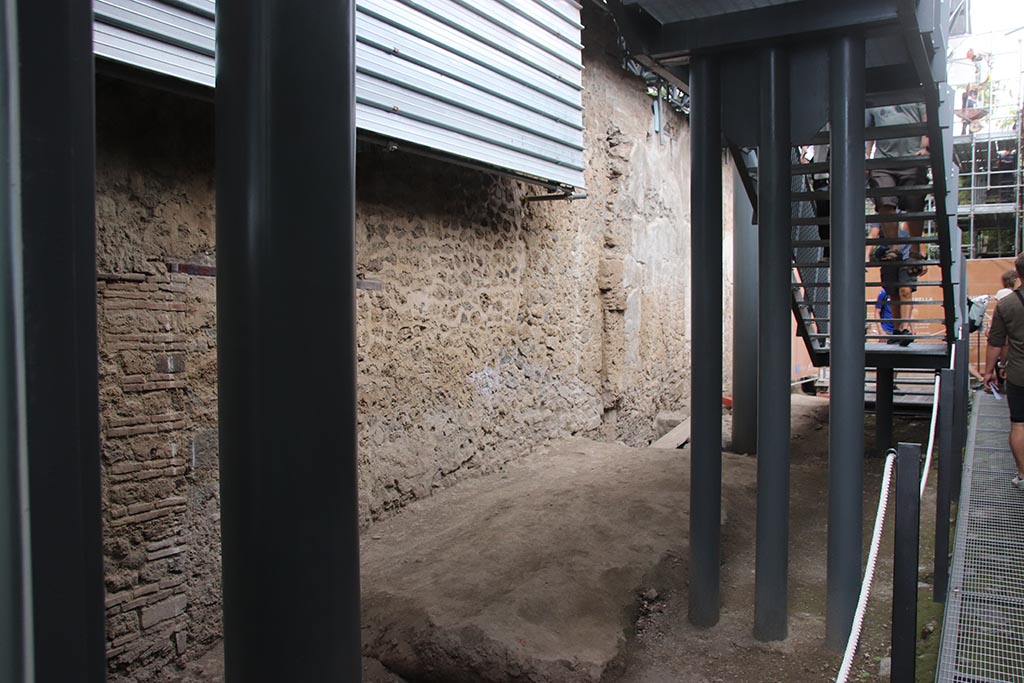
[983, 633]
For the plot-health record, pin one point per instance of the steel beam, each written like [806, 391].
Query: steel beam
[883, 409]
[286, 339]
[744, 319]
[733, 30]
[904, 564]
[774, 352]
[56, 83]
[706, 342]
[961, 384]
[945, 484]
[15, 619]
[846, 415]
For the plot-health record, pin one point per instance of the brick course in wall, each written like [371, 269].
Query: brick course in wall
[145, 421]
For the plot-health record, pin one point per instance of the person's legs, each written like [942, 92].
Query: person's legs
[913, 203]
[906, 307]
[1017, 446]
[886, 206]
[1015, 399]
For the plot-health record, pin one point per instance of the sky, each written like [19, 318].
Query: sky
[994, 30]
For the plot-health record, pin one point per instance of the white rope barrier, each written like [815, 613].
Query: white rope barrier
[931, 437]
[869, 571]
[876, 535]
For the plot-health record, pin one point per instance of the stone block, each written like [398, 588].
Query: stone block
[666, 421]
[162, 611]
[610, 274]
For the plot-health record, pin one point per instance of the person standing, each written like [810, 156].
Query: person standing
[899, 148]
[1007, 330]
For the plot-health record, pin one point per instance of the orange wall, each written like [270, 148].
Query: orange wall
[984, 276]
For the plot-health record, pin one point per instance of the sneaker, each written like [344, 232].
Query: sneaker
[1018, 481]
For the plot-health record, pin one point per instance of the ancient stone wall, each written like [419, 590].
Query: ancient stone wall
[493, 326]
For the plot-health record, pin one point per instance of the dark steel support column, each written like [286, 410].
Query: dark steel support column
[775, 338]
[945, 484]
[883, 410]
[846, 437]
[744, 321]
[706, 341]
[286, 339]
[56, 83]
[961, 379]
[904, 566]
[15, 639]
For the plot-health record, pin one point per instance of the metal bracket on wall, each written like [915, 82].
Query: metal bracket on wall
[561, 196]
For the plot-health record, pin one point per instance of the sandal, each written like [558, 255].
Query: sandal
[916, 271]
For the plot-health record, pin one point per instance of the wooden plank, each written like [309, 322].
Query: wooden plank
[676, 438]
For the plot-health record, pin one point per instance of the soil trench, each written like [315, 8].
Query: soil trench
[570, 566]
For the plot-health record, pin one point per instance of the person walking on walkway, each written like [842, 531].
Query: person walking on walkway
[1008, 328]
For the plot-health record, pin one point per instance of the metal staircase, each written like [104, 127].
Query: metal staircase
[929, 345]
[769, 74]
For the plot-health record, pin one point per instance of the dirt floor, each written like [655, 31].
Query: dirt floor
[570, 566]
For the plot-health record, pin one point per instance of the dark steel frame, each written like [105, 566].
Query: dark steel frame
[15, 640]
[744, 322]
[905, 558]
[945, 484]
[706, 342]
[286, 339]
[846, 383]
[774, 341]
[59, 241]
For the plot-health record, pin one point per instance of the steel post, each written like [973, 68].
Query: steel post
[774, 349]
[884, 386]
[744, 321]
[56, 82]
[905, 556]
[944, 485]
[846, 416]
[286, 339]
[706, 341]
[15, 636]
[961, 379]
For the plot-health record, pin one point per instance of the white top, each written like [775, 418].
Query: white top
[1003, 292]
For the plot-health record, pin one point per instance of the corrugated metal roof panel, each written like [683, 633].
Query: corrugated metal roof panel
[493, 81]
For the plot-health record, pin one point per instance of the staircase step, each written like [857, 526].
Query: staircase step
[906, 130]
[871, 192]
[814, 319]
[915, 337]
[932, 239]
[868, 218]
[882, 163]
[887, 98]
[808, 285]
[869, 264]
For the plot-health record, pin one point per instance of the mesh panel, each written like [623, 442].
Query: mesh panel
[983, 633]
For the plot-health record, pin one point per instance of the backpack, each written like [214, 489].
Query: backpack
[976, 313]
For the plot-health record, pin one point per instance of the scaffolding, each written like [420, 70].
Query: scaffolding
[988, 151]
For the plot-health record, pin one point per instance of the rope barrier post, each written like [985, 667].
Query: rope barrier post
[905, 557]
[944, 485]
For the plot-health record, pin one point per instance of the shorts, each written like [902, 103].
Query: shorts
[899, 178]
[1015, 399]
[897, 276]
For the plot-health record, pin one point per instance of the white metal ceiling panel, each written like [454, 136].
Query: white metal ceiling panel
[496, 82]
